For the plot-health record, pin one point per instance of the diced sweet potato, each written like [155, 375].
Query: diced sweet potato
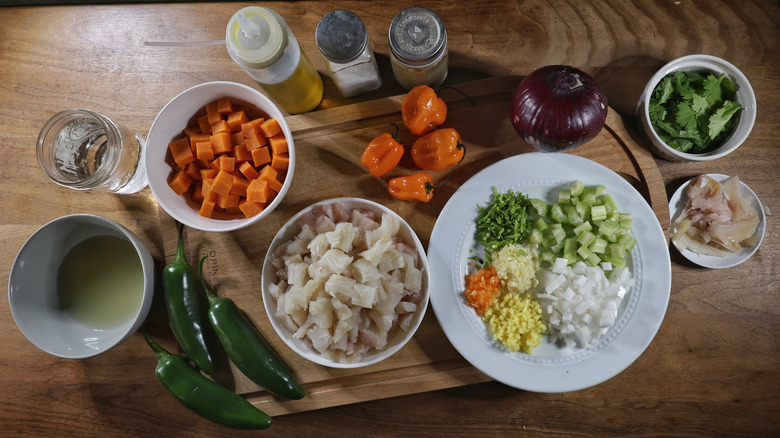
[270, 127]
[261, 156]
[180, 182]
[280, 162]
[181, 152]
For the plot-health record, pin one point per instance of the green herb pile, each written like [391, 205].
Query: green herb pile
[501, 222]
[692, 112]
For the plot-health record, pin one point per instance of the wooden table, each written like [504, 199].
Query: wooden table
[713, 369]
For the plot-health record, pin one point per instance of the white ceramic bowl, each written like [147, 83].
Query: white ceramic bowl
[677, 204]
[700, 63]
[177, 115]
[397, 339]
[33, 296]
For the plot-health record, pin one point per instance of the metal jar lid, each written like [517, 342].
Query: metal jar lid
[341, 36]
[417, 36]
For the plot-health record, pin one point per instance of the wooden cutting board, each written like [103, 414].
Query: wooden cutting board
[328, 146]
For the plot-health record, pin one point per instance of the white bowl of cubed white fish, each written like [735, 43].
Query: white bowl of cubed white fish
[345, 282]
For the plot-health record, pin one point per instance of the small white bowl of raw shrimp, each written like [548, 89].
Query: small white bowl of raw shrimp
[345, 283]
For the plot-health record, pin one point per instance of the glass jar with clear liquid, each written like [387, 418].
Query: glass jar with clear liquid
[260, 42]
[82, 150]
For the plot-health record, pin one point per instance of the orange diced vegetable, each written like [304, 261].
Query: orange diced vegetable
[228, 164]
[252, 126]
[222, 183]
[236, 119]
[239, 185]
[278, 144]
[280, 161]
[241, 153]
[205, 150]
[248, 170]
[250, 208]
[205, 126]
[221, 127]
[212, 112]
[268, 173]
[208, 173]
[181, 152]
[275, 185]
[197, 138]
[258, 191]
[270, 127]
[261, 156]
[197, 192]
[229, 200]
[207, 208]
[224, 105]
[193, 170]
[207, 193]
[180, 182]
[255, 140]
[237, 138]
[221, 143]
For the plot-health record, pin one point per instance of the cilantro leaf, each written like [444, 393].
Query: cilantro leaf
[685, 116]
[713, 92]
[664, 90]
[721, 117]
[699, 105]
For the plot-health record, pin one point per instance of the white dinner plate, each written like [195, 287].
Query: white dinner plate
[677, 204]
[549, 368]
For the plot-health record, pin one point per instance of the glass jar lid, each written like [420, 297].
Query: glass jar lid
[341, 36]
[417, 36]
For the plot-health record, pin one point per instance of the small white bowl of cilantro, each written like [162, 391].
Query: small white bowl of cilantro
[697, 108]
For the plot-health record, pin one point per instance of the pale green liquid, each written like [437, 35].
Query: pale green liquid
[100, 282]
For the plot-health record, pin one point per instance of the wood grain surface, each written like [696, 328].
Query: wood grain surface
[713, 369]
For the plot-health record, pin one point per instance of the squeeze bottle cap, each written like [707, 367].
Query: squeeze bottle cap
[255, 38]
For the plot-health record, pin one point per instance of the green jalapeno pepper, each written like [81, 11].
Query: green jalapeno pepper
[204, 396]
[246, 348]
[185, 315]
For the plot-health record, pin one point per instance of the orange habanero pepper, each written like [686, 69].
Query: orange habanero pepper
[422, 110]
[382, 154]
[438, 150]
[415, 187]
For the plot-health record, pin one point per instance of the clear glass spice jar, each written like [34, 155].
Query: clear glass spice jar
[342, 39]
[418, 48]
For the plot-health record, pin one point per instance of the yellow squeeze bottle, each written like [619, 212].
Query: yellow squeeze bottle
[261, 43]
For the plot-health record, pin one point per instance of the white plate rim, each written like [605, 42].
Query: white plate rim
[582, 368]
[677, 202]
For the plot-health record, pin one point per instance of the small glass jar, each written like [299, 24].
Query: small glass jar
[342, 39]
[82, 150]
[418, 48]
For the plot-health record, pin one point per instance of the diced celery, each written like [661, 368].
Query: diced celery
[593, 259]
[625, 221]
[609, 202]
[547, 256]
[538, 205]
[535, 236]
[586, 238]
[573, 218]
[600, 190]
[598, 213]
[616, 250]
[583, 210]
[559, 233]
[583, 252]
[556, 213]
[549, 241]
[588, 197]
[570, 245]
[627, 241]
[617, 262]
[540, 224]
[598, 246]
[608, 227]
[585, 226]
[564, 197]
[577, 188]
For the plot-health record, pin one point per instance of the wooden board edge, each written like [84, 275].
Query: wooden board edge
[645, 164]
[374, 386]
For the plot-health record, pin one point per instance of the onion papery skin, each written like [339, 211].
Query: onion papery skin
[558, 107]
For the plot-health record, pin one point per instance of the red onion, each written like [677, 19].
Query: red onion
[558, 107]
